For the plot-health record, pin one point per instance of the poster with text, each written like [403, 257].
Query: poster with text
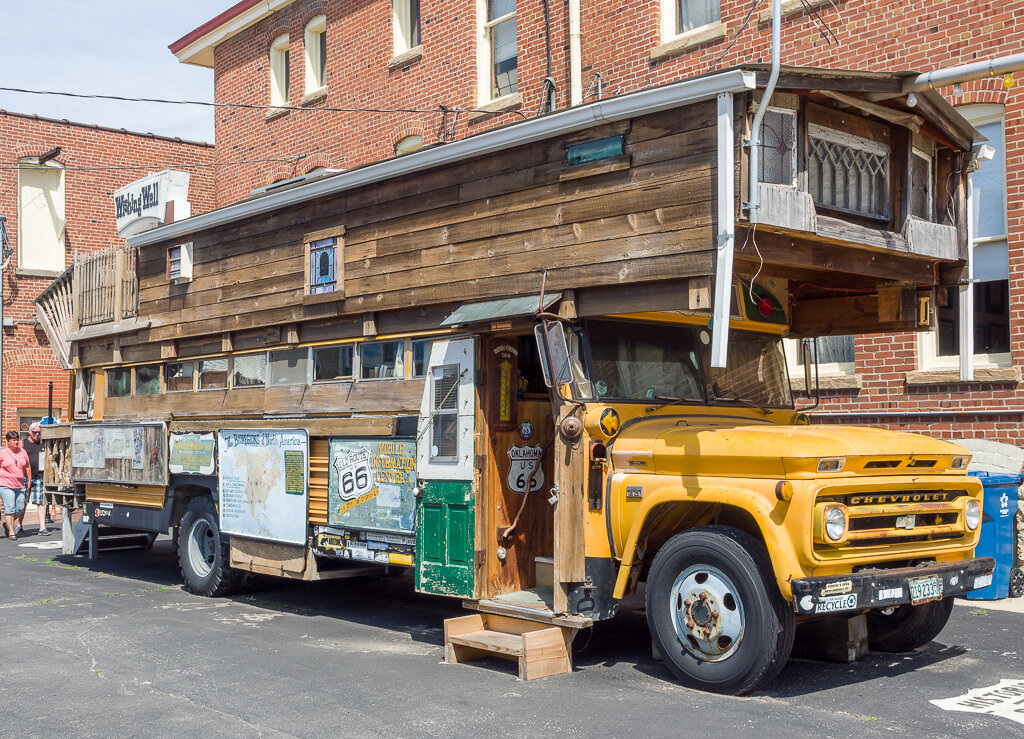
[371, 484]
[263, 483]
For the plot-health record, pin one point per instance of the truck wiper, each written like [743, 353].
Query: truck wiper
[669, 400]
[737, 399]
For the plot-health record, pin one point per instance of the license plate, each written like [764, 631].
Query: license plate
[923, 589]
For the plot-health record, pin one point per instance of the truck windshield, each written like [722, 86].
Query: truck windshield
[668, 362]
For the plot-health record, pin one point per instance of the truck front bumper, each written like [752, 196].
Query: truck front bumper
[888, 588]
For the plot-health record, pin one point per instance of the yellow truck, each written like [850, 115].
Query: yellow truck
[538, 369]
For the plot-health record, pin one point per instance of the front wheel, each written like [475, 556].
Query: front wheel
[715, 613]
[907, 627]
[202, 555]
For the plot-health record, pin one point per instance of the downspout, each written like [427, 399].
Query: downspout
[755, 129]
[575, 55]
[967, 297]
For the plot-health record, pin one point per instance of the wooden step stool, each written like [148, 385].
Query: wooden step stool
[540, 649]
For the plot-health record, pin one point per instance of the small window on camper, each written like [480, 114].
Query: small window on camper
[921, 185]
[213, 374]
[420, 357]
[119, 383]
[289, 367]
[179, 262]
[381, 360]
[778, 147]
[322, 255]
[444, 438]
[333, 363]
[147, 379]
[249, 370]
[179, 376]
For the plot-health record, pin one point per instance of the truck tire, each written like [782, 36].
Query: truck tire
[715, 614]
[202, 554]
[907, 627]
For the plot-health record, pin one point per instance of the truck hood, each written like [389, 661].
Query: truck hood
[740, 447]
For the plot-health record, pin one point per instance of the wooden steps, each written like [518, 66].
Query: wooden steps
[540, 649]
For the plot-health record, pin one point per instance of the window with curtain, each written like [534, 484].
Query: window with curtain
[499, 49]
[691, 14]
[405, 20]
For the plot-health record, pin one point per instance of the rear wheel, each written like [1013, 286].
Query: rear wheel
[202, 555]
[907, 627]
[715, 614]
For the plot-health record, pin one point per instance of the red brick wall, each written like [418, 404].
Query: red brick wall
[617, 39]
[28, 361]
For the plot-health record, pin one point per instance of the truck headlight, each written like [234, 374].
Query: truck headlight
[835, 523]
[972, 514]
[831, 464]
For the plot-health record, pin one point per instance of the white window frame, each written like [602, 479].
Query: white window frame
[485, 60]
[928, 341]
[670, 21]
[55, 202]
[825, 369]
[280, 68]
[401, 26]
[179, 262]
[316, 68]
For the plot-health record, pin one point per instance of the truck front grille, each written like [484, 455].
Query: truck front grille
[900, 516]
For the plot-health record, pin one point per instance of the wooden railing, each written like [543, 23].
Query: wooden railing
[107, 287]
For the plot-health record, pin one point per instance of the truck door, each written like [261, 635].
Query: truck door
[445, 508]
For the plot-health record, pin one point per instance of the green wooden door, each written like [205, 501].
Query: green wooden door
[445, 539]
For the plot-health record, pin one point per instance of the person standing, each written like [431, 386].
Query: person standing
[14, 470]
[33, 447]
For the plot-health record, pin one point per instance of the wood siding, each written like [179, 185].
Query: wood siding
[483, 228]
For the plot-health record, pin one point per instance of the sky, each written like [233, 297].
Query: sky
[109, 48]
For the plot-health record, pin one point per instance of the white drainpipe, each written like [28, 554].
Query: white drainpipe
[575, 55]
[755, 128]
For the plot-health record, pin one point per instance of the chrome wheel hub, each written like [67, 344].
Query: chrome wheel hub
[707, 613]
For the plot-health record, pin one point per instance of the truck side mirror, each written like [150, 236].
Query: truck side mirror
[554, 353]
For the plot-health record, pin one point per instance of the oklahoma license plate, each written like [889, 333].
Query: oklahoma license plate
[923, 589]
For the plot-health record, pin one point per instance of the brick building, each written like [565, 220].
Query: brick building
[56, 191]
[454, 68]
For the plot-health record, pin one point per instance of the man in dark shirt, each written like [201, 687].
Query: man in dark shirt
[33, 446]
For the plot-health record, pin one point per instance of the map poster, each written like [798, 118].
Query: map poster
[264, 483]
[371, 484]
[191, 453]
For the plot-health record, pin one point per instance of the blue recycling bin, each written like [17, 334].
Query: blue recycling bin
[997, 511]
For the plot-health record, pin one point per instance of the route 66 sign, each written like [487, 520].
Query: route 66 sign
[354, 477]
[523, 460]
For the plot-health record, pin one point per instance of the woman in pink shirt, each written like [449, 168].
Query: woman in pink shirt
[14, 470]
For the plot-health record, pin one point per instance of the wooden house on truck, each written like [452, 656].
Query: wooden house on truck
[544, 363]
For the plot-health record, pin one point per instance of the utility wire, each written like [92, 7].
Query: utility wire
[248, 106]
[750, 13]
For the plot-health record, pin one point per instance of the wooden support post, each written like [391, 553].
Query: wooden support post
[369, 324]
[169, 349]
[834, 639]
[226, 345]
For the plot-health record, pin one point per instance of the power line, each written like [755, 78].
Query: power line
[251, 106]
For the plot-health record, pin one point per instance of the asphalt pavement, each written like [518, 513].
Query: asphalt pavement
[115, 648]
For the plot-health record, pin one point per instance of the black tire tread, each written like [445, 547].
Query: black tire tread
[776, 654]
[909, 627]
[223, 579]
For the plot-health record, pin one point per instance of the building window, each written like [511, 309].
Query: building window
[333, 362]
[405, 22]
[213, 374]
[322, 258]
[777, 162]
[179, 262]
[989, 257]
[408, 145]
[382, 360]
[847, 173]
[119, 383]
[921, 185]
[681, 16]
[279, 71]
[249, 370]
[179, 377]
[289, 367]
[316, 55]
[420, 357]
[444, 432]
[498, 60]
[147, 379]
[85, 394]
[40, 216]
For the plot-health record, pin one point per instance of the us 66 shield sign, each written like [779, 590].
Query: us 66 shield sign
[353, 473]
